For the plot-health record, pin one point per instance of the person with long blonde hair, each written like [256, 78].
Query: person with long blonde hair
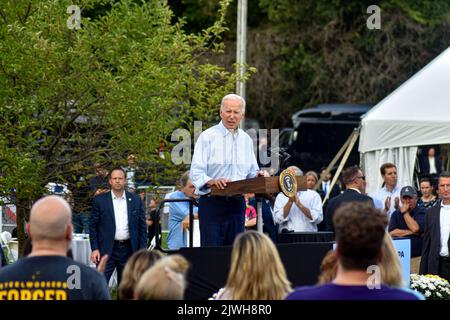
[390, 267]
[138, 263]
[256, 272]
[328, 267]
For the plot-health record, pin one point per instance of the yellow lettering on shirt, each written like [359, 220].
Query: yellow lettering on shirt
[61, 295]
[38, 295]
[13, 294]
[25, 295]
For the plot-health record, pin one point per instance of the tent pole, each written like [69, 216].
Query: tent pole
[354, 137]
[335, 159]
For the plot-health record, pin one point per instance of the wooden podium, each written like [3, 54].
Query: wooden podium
[260, 185]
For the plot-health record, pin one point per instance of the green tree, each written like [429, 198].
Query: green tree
[320, 51]
[120, 84]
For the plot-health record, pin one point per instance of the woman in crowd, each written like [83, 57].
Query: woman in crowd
[136, 266]
[166, 280]
[256, 272]
[311, 179]
[250, 213]
[428, 199]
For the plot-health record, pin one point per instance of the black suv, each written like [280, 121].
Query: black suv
[320, 132]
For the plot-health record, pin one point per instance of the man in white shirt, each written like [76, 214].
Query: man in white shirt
[118, 227]
[223, 153]
[387, 198]
[436, 238]
[301, 213]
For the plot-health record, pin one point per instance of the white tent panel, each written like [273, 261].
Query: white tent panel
[417, 113]
[403, 157]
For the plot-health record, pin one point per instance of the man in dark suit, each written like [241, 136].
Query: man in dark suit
[322, 190]
[436, 238]
[118, 226]
[355, 183]
[430, 163]
[326, 184]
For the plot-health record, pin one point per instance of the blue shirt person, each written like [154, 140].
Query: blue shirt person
[409, 220]
[179, 214]
[388, 197]
[223, 153]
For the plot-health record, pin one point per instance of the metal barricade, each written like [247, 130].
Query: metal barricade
[158, 232]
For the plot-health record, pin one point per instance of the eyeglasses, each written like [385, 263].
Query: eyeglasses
[362, 177]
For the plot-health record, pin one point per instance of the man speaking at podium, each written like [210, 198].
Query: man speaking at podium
[223, 153]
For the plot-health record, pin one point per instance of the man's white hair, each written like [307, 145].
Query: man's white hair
[233, 96]
[297, 171]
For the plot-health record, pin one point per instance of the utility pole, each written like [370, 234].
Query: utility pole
[241, 46]
[241, 53]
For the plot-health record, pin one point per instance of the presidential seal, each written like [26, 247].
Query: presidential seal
[288, 183]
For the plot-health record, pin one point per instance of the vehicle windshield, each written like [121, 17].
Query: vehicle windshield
[317, 143]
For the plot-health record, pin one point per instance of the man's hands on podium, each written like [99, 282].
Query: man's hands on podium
[262, 173]
[220, 183]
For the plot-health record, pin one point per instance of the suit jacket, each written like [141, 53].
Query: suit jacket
[103, 225]
[425, 165]
[431, 244]
[334, 192]
[349, 195]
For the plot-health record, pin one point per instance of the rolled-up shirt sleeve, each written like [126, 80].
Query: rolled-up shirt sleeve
[278, 209]
[199, 164]
[316, 209]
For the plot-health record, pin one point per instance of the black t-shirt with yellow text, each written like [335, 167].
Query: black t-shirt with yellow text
[51, 278]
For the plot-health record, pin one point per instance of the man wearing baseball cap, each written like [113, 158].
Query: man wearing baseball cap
[408, 222]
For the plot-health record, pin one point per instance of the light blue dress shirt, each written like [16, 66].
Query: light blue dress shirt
[219, 153]
[379, 197]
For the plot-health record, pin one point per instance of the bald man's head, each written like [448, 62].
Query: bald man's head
[50, 219]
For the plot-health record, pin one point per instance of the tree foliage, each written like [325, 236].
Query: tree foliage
[320, 51]
[120, 84]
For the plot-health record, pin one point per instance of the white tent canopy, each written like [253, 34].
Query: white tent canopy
[416, 113]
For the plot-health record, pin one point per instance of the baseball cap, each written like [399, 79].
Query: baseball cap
[408, 191]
